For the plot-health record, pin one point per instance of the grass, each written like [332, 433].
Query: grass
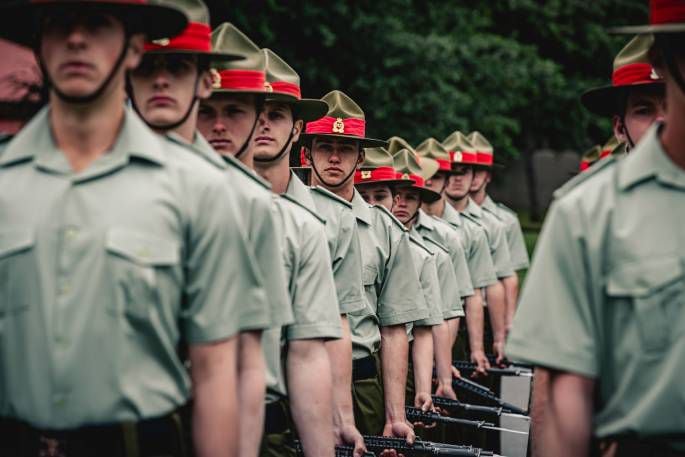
[531, 231]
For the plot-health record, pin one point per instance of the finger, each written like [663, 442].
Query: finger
[411, 437]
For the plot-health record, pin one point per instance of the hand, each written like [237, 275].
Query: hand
[350, 436]
[456, 374]
[482, 365]
[424, 402]
[446, 390]
[498, 351]
[398, 430]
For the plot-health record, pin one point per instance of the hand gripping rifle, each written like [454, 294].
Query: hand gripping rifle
[486, 394]
[429, 417]
[493, 361]
[340, 451]
[378, 444]
[468, 368]
[448, 403]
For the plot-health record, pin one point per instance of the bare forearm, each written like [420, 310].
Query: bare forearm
[252, 390]
[475, 319]
[497, 309]
[453, 326]
[394, 353]
[422, 358]
[215, 406]
[563, 403]
[511, 290]
[340, 356]
[311, 396]
[443, 352]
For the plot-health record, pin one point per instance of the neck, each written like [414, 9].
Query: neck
[459, 204]
[346, 191]
[409, 224]
[277, 173]
[187, 129]
[247, 159]
[436, 209]
[86, 132]
[673, 133]
[479, 196]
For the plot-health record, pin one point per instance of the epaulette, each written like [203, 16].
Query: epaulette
[247, 171]
[472, 219]
[327, 193]
[295, 202]
[584, 176]
[504, 207]
[437, 245]
[420, 243]
[494, 213]
[392, 217]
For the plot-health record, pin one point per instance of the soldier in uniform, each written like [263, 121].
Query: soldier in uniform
[166, 89]
[609, 345]
[116, 248]
[508, 218]
[335, 149]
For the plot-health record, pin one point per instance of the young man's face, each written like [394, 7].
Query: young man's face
[80, 49]
[406, 204]
[644, 106]
[273, 130]
[459, 182]
[376, 194]
[481, 178]
[164, 86]
[437, 182]
[226, 121]
[335, 159]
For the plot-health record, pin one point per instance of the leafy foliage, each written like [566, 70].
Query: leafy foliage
[513, 69]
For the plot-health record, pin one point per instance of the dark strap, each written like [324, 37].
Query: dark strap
[276, 418]
[365, 368]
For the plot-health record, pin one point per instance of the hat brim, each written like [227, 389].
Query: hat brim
[427, 195]
[363, 142]
[645, 29]
[18, 21]
[306, 109]
[604, 100]
[389, 182]
[213, 56]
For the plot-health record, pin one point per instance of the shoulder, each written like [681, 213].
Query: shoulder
[243, 170]
[387, 215]
[591, 196]
[445, 228]
[324, 194]
[298, 208]
[4, 141]
[597, 169]
[471, 221]
[435, 246]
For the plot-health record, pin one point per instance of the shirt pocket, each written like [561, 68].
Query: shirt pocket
[136, 261]
[655, 289]
[17, 270]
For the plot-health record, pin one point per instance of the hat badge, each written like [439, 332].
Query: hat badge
[405, 176]
[339, 126]
[162, 42]
[366, 174]
[268, 87]
[216, 78]
[458, 156]
[654, 75]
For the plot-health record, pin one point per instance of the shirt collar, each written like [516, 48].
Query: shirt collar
[300, 192]
[649, 160]
[360, 208]
[489, 204]
[451, 215]
[202, 146]
[472, 209]
[423, 220]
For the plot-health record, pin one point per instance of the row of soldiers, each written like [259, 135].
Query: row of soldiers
[162, 250]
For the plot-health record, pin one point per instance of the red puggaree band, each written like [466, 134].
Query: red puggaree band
[418, 180]
[484, 158]
[375, 175]
[196, 37]
[605, 153]
[584, 165]
[444, 164]
[666, 11]
[636, 73]
[282, 87]
[338, 126]
[248, 80]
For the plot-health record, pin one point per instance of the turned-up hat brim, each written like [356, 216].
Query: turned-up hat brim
[307, 109]
[18, 20]
[212, 56]
[644, 29]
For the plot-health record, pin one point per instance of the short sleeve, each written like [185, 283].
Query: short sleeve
[461, 269]
[451, 298]
[500, 249]
[347, 265]
[431, 289]
[218, 285]
[479, 259]
[555, 325]
[517, 245]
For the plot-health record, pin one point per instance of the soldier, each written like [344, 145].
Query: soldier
[335, 149]
[165, 89]
[609, 346]
[110, 238]
[377, 183]
[508, 218]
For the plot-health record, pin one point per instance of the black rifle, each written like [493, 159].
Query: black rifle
[421, 448]
[486, 394]
[468, 368]
[429, 417]
[340, 451]
[493, 361]
[448, 403]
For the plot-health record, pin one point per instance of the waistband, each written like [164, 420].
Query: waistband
[365, 368]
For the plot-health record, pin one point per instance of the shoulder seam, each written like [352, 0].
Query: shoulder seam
[294, 201]
[583, 177]
[327, 193]
[391, 215]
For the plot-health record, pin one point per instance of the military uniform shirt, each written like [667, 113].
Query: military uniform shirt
[424, 261]
[391, 285]
[104, 272]
[255, 201]
[604, 297]
[440, 232]
[514, 234]
[476, 247]
[496, 238]
[311, 287]
[343, 240]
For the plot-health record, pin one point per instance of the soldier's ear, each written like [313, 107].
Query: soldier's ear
[136, 48]
[204, 88]
[361, 157]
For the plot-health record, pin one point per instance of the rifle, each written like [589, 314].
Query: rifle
[417, 415]
[493, 361]
[498, 411]
[421, 448]
[485, 393]
[340, 451]
[468, 367]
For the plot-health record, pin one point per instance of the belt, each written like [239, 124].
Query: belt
[150, 437]
[365, 368]
[276, 418]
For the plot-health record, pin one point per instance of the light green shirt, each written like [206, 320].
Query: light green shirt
[514, 234]
[475, 245]
[424, 261]
[342, 237]
[444, 235]
[311, 289]
[105, 272]
[605, 293]
[391, 284]
[497, 239]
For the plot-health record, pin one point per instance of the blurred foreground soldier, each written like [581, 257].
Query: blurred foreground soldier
[590, 157]
[604, 297]
[635, 98]
[390, 281]
[117, 247]
[508, 218]
[166, 89]
[21, 88]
